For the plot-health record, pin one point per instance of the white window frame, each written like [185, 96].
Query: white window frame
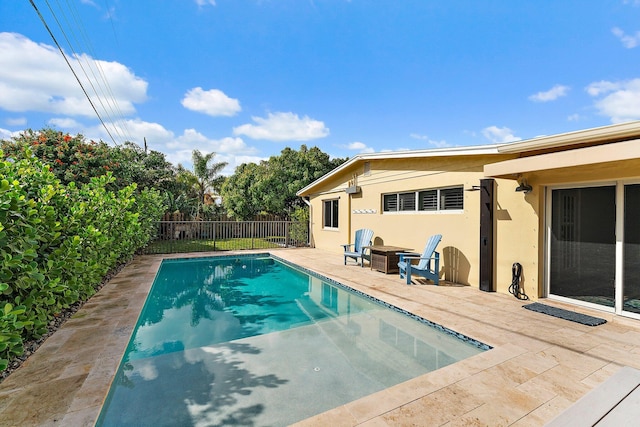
[334, 212]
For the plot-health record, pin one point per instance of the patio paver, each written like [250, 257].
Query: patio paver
[538, 367]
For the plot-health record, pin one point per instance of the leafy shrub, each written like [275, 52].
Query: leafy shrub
[57, 243]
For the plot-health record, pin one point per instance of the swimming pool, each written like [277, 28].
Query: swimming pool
[254, 340]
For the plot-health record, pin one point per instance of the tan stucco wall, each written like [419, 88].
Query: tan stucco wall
[519, 217]
[517, 237]
[459, 249]
[521, 232]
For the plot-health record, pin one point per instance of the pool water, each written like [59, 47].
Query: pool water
[252, 340]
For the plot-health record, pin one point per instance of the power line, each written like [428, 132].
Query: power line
[113, 111]
[44, 22]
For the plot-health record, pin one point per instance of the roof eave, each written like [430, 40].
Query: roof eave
[619, 131]
[405, 154]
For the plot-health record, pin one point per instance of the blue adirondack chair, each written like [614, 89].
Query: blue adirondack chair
[428, 265]
[357, 249]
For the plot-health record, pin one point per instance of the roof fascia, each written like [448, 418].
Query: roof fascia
[619, 131]
[474, 150]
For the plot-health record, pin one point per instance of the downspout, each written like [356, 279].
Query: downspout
[308, 203]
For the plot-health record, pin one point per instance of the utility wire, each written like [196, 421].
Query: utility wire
[44, 22]
[113, 112]
[79, 60]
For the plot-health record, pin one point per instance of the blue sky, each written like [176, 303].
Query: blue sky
[246, 78]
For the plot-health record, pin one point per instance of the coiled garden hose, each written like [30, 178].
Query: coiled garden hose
[515, 289]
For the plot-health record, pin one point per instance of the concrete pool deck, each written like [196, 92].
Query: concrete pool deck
[538, 367]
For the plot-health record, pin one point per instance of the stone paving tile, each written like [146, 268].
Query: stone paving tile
[435, 408]
[538, 367]
[339, 417]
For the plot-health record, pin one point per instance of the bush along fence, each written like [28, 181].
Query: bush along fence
[58, 242]
[199, 236]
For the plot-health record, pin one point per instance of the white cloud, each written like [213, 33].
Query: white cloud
[16, 121]
[598, 88]
[283, 127]
[499, 135]
[550, 95]
[628, 40]
[6, 134]
[35, 77]
[618, 100]
[432, 142]
[64, 123]
[202, 3]
[233, 151]
[574, 117]
[213, 102]
[360, 147]
[178, 149]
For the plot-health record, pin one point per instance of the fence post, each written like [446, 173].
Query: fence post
[215, 226]
[286, 234]
[253, 232]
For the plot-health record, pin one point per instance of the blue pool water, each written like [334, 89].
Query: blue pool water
[254, 341]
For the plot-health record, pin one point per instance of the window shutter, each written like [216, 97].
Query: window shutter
[407, 201]
[451, 198]
[428, 200]
[390, 203]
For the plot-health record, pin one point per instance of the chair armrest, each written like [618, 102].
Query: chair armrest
[407, 254]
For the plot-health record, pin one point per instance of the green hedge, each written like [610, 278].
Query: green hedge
[58, 242]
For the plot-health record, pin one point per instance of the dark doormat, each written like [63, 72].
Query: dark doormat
[565, 314]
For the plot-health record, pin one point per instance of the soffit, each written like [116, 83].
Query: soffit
[613, 152]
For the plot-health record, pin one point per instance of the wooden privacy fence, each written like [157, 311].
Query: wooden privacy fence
[200, 236]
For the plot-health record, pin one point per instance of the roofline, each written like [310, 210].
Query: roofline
[406, 154]
[616, 131]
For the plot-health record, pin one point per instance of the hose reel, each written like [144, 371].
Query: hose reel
[516, 277]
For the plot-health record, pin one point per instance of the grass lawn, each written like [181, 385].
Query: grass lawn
[179, 246]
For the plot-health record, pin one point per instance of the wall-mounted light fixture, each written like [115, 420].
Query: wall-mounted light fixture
[524, 187]
[473, 188]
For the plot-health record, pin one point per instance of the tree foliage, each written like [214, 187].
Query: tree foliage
[271, 186]
[74, 159]
[71, 158]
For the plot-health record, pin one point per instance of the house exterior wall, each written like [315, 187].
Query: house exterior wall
[608, 155]
[459, 248]
[531, 228]
[517, 237]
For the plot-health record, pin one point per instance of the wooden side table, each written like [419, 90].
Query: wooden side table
[385, 258]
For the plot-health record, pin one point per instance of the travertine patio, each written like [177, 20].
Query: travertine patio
[538, 367]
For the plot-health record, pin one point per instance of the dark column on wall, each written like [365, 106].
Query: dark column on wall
[487, 202]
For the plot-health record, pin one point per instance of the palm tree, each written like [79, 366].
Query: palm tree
[205, 177]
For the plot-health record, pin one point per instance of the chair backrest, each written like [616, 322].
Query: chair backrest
[429, 249]
[363, 238]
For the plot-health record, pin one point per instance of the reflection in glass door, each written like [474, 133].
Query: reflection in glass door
[582, 246]
[631, 275]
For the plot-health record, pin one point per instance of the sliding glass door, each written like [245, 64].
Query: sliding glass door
[631, 249]
[582, 247]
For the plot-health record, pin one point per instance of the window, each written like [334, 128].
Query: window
[330, 218]
[440, 199]
[428, 200]
[451, 199]
[390, 202]
[407, 201]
